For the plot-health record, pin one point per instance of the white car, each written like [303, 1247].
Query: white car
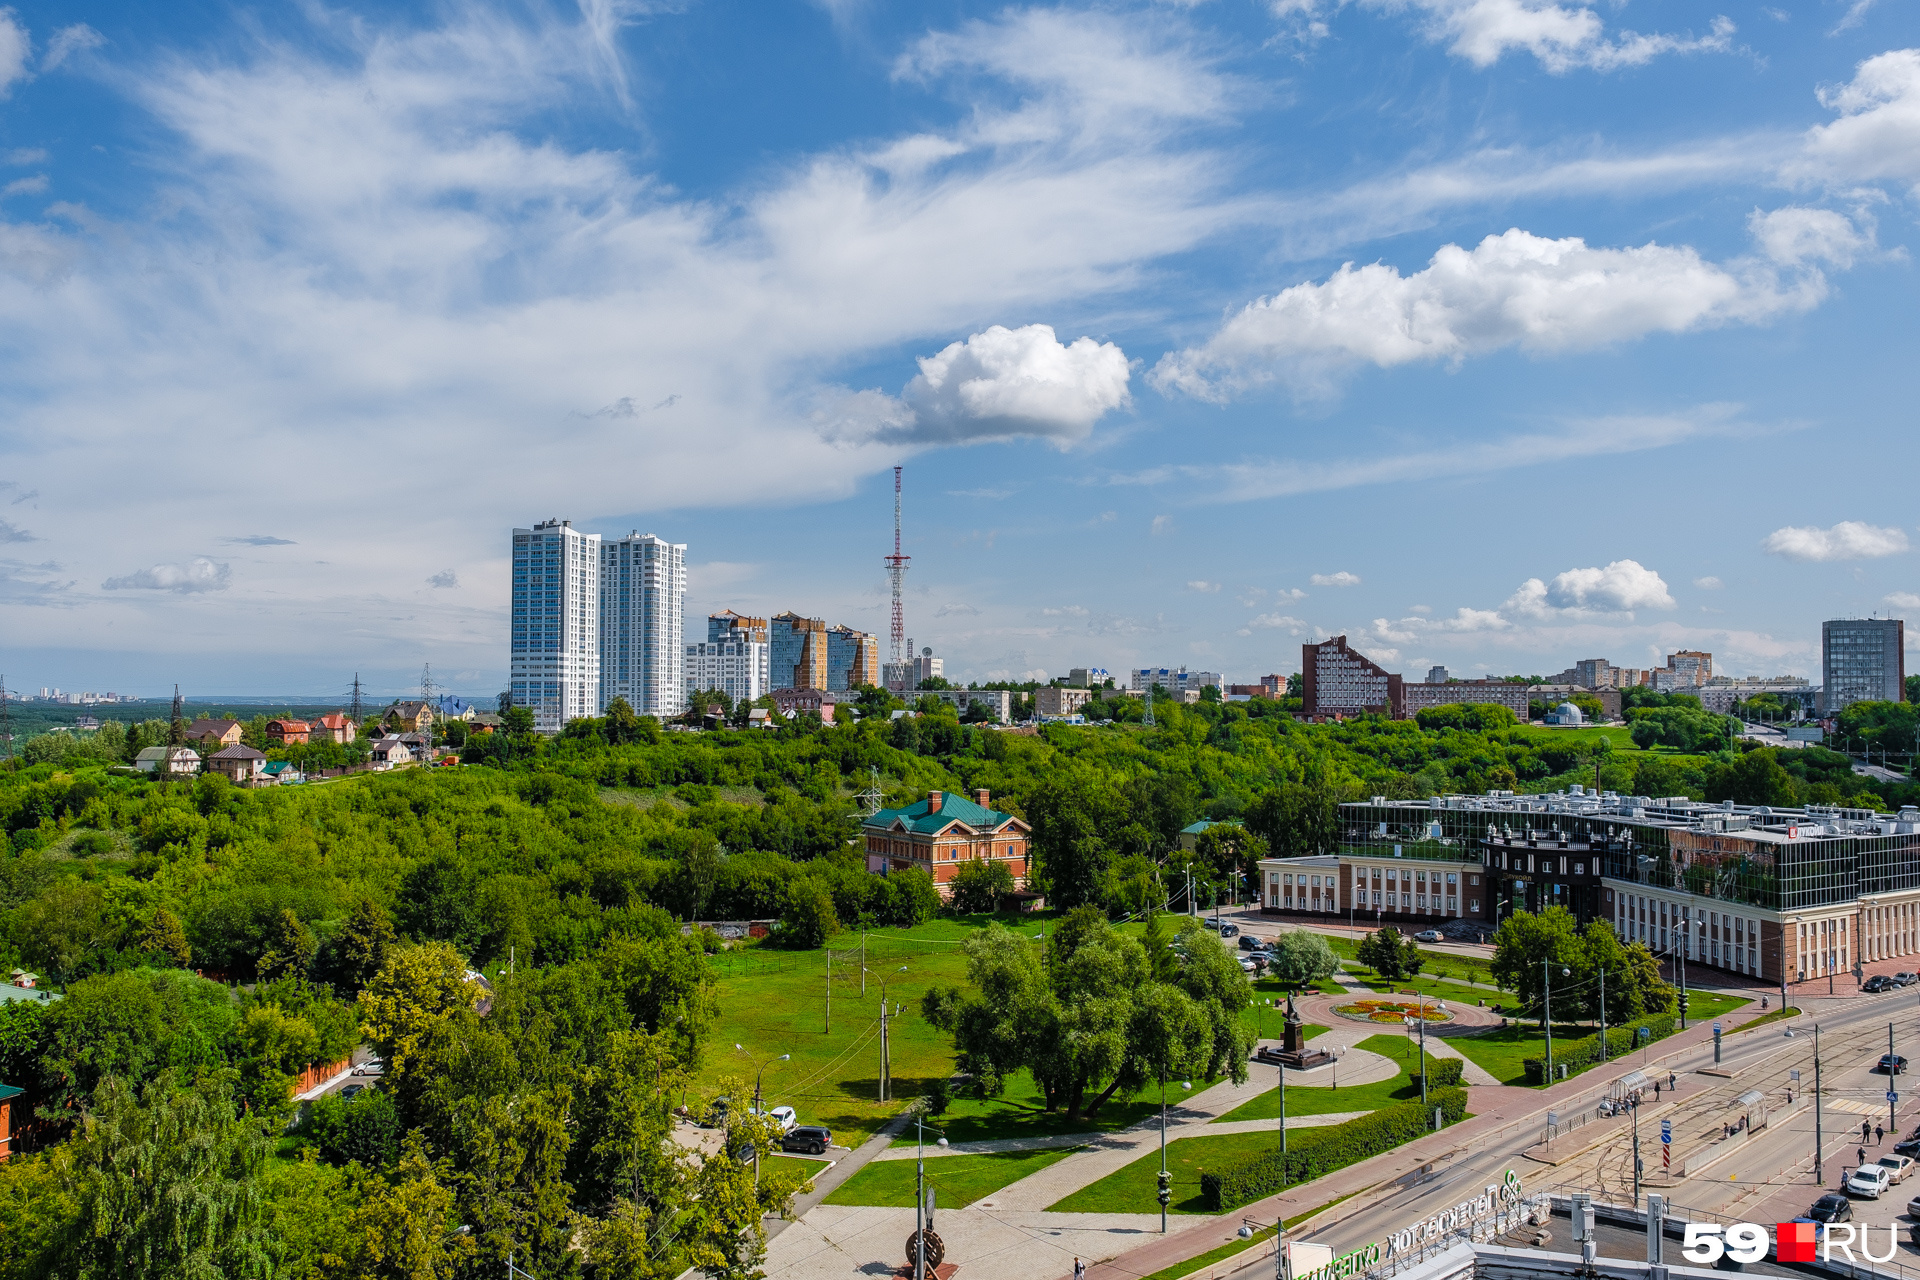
[1869, 1180]
[782, 1116]
[1430, 935]
[1897, 1167]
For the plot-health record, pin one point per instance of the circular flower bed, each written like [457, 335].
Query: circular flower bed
[1390, 1011]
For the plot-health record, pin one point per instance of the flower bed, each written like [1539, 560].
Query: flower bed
[1391, 1011]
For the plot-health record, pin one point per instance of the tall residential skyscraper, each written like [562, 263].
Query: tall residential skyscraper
[554, 666]
[643, 595]
[1862, 660]
[853, 658]
[798, 652]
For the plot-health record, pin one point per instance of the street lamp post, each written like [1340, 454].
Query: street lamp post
[1546, 1010]
[1166, 1179]
[1818, 1137]
[921, 1225]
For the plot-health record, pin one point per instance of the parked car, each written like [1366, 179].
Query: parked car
[1906, 979]
[1898, 1166]
[809, 1139]
[782, 1116]
[351, 1091]
[1891, 1063]
[1869, 1180]
[1248, 966]
[1229, 930]
[1877, 983]
[1208, 922]
[1831, 1207]
[1258, 959]
[371, 1067]
[1250, 943]
[1913, 1207]
[1908, 1147]
[1430, 935]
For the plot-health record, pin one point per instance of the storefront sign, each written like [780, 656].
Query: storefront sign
[1498, 1197]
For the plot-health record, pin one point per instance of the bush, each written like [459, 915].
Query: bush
[366, 1129]
[809, 919]
[939, 1097]
[1443, 1073]
[979, 885]
[1577, 1055]
[1316, 1152]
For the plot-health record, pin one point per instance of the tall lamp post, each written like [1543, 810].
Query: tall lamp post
[1818, 1137]
[1546, 1010]
[1166, 1179]
[761, 1074]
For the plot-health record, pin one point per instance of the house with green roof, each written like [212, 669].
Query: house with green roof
[943, 833]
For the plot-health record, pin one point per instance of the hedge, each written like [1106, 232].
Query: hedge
[1577, 1055]
[1313, 1153]
[1443, 1073]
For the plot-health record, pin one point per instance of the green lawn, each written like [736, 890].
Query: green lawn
[1503, 1050]
[959, 1180]
[1705, 1006]
[1320, 1100]
[1132, 1189]
[1017, 1113]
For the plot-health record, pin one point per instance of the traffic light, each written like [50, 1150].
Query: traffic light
[1166, 1188]
[1683, 1002]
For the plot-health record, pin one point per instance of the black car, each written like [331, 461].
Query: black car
[1831, 1208]
[809, 1139]
[1892, 1063]
[1877, 983]
[1908, 1147]
[1250, 943]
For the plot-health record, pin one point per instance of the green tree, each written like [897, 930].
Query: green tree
[1303, 956]
[1072, 815]
[414, 992]
[979, 885]
[809, 919]
[167, 1186]
[1755, 778]
[1529, 951]
[359, 949]
[164, 936]
[1388, 954]
[404, 1227]
[135, 1025]
[290, 948]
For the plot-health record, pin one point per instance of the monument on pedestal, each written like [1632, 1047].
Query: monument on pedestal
[1293, 1050]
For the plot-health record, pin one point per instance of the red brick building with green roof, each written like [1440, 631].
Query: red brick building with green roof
[941, 834]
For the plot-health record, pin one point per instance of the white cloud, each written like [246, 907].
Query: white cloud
[196, 575]
[1162, 525]
[1340, 579]
[1511, 290]
[29, 186]
[1464, 621]
[1274, 622]
[1796, 234]
[1620, 588]
[15, 47]
[959, 610]
[1708, 583]
[1201, 585]
[68, 41]
[1561, 37]
[1904, 600]
[1290, 593]
[444, 579]
[1014, 382]
[1878, 133]
[13, 533]
[1848, 540]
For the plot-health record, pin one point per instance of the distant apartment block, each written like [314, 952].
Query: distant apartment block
[1177, 681]
[554, 668]
[1691, 665]
[1862, 660]
[1501, 693]
[1055, 701]
[643, 594]
[737, 668]
[1088, 677]
[853, 659]
[1272, 687]
[797, 651]
[728, 625]
[998, 702]
[1339, 681]
[1437, 675]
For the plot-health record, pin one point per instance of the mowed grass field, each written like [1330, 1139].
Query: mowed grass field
[958, 1180]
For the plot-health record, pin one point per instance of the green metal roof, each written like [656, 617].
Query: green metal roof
[10, 1091]
[1195, 828]
[953, 808]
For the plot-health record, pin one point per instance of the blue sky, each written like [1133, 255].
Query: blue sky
[1494, 333]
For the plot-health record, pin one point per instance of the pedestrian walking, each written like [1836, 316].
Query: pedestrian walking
[1879, 1134]
[1673, 1083]
[1079, 1269]
[1656, 1091]
[1863, 1155]
[1865, 1129]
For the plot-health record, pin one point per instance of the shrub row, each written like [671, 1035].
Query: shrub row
[1442, 1073]
[1578, 1055]
[1313, 1153]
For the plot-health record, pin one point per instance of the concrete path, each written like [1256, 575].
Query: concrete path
[837, 1242]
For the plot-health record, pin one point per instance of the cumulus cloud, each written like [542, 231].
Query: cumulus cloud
[196, 575]
[68, 41]
[1561, 37]
[1904, 600]
[1848, 540]
[15, 47]
[1274, 622]
[444, 579]
[1877, 135]
[1161, 525]
[1796, 234]
[260, 540]
[1619, 588]
[10, 532]
[1511, 290]
[957, 610]
[1464, 621]
[1201, 585]
[1340, 579]
[1708, 583]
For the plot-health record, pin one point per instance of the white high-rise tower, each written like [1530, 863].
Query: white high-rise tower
[554, 669]
[643, 596]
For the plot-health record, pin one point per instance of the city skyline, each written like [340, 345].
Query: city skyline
[1493, 336]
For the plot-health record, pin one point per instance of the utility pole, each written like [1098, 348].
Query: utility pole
[1892, 1080]
[1603, 1015]
[1546, 1021]
[829, 1030]
[177, 727]
[897, 575]
[6, 719]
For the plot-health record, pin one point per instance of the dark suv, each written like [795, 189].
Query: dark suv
[809, 1139]
[1877, 983]
[1250, 943]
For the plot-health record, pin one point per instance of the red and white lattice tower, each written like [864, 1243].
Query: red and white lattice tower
[897, 574]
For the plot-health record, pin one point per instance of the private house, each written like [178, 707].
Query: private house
[484, 722]
[285, 731]
[241, 764]
[792, 702]
[941, 834]
[332, 728]
[385, 753]
[176, 761]
[283, 772]
[225, 733]
[408, 717]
